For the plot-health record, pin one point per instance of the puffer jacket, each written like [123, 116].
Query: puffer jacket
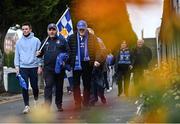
[93, 49]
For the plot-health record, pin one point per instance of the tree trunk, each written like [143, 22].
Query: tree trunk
[4, 26]
[3, 30]
[2, 37]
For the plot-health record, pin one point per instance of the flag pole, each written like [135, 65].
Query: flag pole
[56, 25]
[44, 43]
[62, 16]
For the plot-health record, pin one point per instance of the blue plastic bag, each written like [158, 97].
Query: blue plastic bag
[22, 82]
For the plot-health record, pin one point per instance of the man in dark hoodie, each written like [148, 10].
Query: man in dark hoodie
[52, 48]
[122, 68]
[83, 55]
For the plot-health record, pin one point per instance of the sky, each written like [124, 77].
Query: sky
[146, 17]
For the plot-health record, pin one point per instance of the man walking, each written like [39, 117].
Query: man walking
[27, 64]
[83, 56]
[142, 56]
[53, 47]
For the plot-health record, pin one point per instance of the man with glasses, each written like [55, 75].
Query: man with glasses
[27, 64]
[53, 47]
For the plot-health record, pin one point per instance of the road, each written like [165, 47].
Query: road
[117, 110]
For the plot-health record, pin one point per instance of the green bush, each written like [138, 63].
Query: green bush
[168, 101]
[9, 59]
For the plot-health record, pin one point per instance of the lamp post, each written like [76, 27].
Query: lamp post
[157, 46]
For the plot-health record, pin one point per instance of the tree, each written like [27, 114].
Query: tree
[109, 19]
[111, 27]
[9, 59]
[39, 13]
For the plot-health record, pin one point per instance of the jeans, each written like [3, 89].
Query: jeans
[30, 73]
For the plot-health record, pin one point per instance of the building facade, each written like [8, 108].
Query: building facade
[169, 37]
[10, 42]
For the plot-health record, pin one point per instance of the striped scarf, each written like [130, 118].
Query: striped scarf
[86, 56]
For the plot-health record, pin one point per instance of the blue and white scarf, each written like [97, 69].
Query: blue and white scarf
[86, 56]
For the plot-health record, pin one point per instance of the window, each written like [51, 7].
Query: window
[178, 6]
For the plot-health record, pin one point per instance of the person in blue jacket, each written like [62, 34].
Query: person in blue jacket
[52, 48]
[27, 64]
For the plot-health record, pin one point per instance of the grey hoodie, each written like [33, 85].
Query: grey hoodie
[25, 53]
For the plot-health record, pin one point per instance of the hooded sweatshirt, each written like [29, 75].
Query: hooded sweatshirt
[25, 52]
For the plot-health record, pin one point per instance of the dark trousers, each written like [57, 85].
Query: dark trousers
[85, 73]
[70, 80]
[98, 82]
[106, 80]
[70, 87]
[97, 91]
[52, 79]
[30, 74]
[123, 75]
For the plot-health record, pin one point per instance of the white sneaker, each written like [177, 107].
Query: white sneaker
[69, 92]
[26, 109]
[109, 90]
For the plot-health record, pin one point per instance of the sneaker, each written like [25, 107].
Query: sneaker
[69, 92]
[26, 109]
[60, 109]
[109, 90]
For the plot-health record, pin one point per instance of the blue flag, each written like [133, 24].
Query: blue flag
[22, 82]
[64, 24]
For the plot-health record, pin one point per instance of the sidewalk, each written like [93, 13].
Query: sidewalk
[10, 97]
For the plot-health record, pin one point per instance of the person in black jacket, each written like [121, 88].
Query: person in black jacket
[53, 47]
[142, 56]
[99, 76]
[83, 56]
[123, 66]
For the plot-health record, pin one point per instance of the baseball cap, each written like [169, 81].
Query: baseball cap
[52, 25]
[81, 24]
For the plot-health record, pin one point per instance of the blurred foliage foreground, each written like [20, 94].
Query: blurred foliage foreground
[159, 100]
